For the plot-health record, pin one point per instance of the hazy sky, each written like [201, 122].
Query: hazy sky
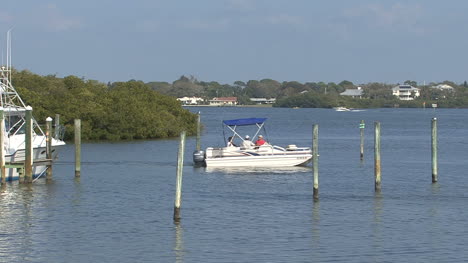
[227, 40]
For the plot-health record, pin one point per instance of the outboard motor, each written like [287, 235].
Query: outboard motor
[199, 158]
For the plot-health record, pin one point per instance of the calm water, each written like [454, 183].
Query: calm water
[121, 209]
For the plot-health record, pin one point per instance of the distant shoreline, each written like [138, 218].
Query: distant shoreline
[251, 106]
[271, 106]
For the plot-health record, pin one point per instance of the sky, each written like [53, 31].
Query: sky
[361, 41]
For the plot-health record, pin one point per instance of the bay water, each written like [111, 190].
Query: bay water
[121, 208]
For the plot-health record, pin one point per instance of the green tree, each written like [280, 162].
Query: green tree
[185, 86]
[122, 110]
[411, 83]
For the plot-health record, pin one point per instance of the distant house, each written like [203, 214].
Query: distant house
[444, 87]
[190, 100]
[263, 100]
[354, 93]
[224, 101]
[405, 92]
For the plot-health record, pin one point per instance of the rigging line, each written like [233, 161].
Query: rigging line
[40, 175]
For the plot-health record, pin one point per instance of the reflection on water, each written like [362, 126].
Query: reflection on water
[435, 187]
[179, 243]
[16, 216]
[377, 224]
[259, 170]
[316, 222]
[77, 191]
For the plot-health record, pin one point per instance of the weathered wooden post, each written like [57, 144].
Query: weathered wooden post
[2, 146]
[49, 147]
[77, 147]
[57, 126]
[434, 150]
[28, 163]
[362, 125]
[198, 154]
[315, 161]
[377, 171]
[180, 168]
[198, 133]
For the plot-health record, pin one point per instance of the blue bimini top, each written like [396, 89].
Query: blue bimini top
[244, 122]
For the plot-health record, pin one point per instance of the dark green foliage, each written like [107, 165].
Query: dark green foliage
[308, 100]
[114, 111]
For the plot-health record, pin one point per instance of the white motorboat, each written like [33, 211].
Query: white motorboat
[342, 109]
[266, 155]
[14, 133]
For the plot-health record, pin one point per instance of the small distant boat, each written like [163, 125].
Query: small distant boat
[341, 109]
[266, 155]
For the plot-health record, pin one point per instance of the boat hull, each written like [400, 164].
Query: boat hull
[342, 109]
[13, 173]
[256, 158]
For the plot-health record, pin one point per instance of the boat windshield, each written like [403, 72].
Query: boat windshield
[14, 125]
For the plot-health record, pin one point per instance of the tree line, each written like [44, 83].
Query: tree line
[315, 94]
[380, 95]
[189, 86]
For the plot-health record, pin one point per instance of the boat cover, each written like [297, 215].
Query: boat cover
[244, 122]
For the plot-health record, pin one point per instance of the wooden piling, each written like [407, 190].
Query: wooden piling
[180, 168]
[198, 133]
[377, 167]
[2, 146]
[361, 127]
[77, 147]
[315, 161]
[434, 150]
[57, 126]
[49, 147]
[28, 163]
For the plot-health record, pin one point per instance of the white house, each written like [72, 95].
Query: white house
[405, 92]
[444, 87]
[190, 100]
[224, 101]
[354, 93]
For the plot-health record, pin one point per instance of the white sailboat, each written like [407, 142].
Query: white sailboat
[14, 126]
